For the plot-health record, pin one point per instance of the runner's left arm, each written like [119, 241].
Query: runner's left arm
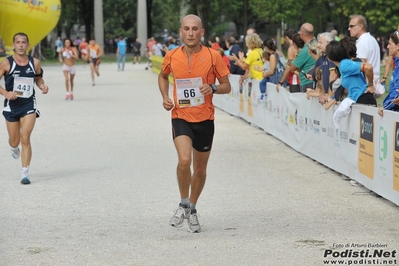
[100, 53]
[224, 87]
[39, 77]
[75, 53]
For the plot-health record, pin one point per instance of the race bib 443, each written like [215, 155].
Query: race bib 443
[23, 87]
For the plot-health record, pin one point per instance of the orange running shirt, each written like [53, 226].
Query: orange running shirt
[94, 51]
[207, 64]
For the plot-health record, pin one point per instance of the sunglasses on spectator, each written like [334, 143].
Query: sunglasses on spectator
[351, 26]
[397, 33]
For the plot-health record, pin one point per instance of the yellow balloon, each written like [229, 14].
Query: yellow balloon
[36, 18]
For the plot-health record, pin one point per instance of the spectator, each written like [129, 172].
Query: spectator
[312, 49]
[121, 53]
[277, 68]
[367, 48]
[136, 51]
[389, 104]
[150, 44]
[225, 58]
[172, 44]
[327, 68]
[234, 49]
[250, 31]
[350, 45]
[77, 42]
[265, 69]
[58, 45]
[214, 42]
[337, 90]
[335, 33]
[157, 49]
[293, 50]
[304, 61]
[319, 84]
[389, 63]
[270, 42]
[253, 59]
[353, 79]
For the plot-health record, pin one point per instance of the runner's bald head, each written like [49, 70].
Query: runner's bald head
[191, 17]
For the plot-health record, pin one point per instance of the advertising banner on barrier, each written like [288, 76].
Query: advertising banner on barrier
[365, 147]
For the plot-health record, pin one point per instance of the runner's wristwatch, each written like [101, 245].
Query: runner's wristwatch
[214, 88]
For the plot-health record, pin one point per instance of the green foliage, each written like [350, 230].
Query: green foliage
[48, 52]
[276, 11]
[120, 16]
[170, 15]
[69, 14]
[220, 29]
[382, 15]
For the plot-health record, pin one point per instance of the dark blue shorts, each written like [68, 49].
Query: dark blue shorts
[95, 61]
[13, 113]
[201, 133]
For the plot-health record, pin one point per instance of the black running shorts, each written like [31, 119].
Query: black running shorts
[201, 133]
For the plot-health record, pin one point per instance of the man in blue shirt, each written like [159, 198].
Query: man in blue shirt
[121, 53]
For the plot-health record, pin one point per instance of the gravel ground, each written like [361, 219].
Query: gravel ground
[104, 188]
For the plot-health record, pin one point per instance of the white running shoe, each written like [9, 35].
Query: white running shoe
[15, 152]
[25, 178]
[178, 217]
[193, 223]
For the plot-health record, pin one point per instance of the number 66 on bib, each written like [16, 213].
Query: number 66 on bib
[188, 93]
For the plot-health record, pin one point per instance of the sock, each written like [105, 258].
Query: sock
[14, 149]
[185, 202]
[192, 207]
[25, 170]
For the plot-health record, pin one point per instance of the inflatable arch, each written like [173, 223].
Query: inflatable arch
[36, 18]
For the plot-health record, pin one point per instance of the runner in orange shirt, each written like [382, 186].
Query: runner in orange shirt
[195, 69]
[94, 52]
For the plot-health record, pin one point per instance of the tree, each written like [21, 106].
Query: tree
[76, 12]
[120, 18]
[382, 16]
[267, 16]
[215, 15]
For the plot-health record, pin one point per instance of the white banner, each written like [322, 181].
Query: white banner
[365, 147]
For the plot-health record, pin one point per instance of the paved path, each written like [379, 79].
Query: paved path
[104, 187]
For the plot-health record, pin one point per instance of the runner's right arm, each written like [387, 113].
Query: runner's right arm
[163, 83]
[4, 68]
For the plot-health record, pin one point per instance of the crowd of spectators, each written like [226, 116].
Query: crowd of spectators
[336, 70]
